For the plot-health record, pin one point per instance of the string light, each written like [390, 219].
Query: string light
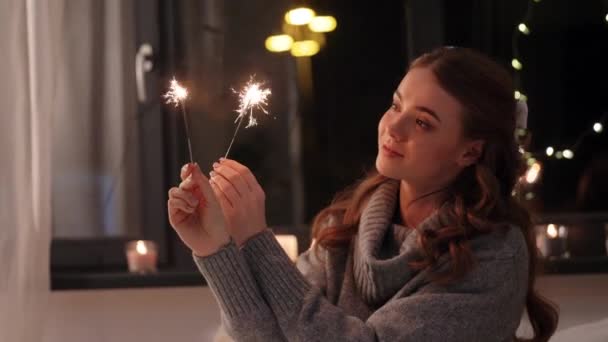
[519, 96]
[516, 64]
[523, 28]
[597, 127]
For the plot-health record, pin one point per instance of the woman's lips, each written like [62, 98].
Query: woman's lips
[390, 152]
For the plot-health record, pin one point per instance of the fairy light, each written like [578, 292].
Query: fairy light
[521, 29]
[598, 127]
[516, 64]
[533, 173]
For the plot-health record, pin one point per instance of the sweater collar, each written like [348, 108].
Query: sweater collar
[379, 276]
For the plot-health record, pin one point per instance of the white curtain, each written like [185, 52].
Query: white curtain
[30, 50]
[95, 143]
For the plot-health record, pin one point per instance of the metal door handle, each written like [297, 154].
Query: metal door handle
[142, 66]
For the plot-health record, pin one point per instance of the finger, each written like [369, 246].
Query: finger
[233, 177]
[186, 171]
[202, 182]
[224, 201]
[187, 184]
[176, 216]
[243, 170]
[187, 196]
[176, 203]
[226, 188]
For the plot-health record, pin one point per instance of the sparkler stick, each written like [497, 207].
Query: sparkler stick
[177, 95]
[250, 97]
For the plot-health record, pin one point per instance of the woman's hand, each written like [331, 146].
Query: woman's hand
[241, 198]
[195, 213]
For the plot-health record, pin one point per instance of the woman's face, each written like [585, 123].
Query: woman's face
[420, 135]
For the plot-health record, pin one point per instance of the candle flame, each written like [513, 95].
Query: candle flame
[250, 97]
[176, 93]
[141, 248]
[551, 231]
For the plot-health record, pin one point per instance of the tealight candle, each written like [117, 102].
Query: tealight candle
[142, 256]
[551, 240]
[289, 244]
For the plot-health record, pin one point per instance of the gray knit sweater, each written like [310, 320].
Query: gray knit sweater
[368, 292]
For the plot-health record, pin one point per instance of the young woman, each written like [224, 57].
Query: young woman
[431, 246]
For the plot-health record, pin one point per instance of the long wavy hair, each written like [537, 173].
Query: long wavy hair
[480, 198]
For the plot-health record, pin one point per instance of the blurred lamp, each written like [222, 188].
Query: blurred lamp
[299, 16]
[305, 48]
[324, 23]
[279, 43]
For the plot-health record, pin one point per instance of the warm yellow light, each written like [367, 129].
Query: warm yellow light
[141, 248]
[568, 154]
[533, 173]
[552, 231]
[523, 28]
[299, 16]
[550, 151]
[279, 43]
[598, 128]
[324, 23]
[520, 96]
[305, 48]
[558, 155]
[606, 17]
[516, 64]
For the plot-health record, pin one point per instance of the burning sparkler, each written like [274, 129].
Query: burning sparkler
[250, 97]
[177, 95]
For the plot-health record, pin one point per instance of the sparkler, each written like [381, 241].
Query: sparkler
[251, 97]
[177, 95]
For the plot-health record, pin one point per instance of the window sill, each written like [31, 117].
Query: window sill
[121, 280]
[575, 265]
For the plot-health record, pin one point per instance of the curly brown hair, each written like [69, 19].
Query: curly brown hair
[480, 198]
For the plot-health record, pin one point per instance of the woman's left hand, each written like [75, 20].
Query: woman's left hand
[241, 198]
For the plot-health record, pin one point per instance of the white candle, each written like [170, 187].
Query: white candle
[551, 240]
[289, 244]
[141, 256]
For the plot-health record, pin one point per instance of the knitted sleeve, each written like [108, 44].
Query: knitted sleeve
[244, 313]
[472, 311]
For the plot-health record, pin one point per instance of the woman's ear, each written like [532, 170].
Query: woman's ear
[471, 153]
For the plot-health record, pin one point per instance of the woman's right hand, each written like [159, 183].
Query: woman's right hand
[195, 213]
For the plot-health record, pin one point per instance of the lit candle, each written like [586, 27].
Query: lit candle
[551, 240]
[141, 256]
[290, 245]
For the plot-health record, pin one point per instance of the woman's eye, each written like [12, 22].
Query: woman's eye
[422, 124]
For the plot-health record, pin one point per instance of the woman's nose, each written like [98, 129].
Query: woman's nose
[397, 130]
